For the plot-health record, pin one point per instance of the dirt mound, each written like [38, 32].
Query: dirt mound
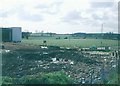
[24, 61]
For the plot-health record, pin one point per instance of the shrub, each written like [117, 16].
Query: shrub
[47, 78]
[44, 78]
[7, 80]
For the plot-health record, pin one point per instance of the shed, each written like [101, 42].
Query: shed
[11, 34]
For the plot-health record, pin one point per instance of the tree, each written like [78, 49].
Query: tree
[42, 33]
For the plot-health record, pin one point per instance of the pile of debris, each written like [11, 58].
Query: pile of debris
[77, 64]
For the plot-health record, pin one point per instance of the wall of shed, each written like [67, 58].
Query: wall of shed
[16, 34]
[6, 34]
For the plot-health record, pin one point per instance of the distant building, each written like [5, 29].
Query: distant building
[11, 34]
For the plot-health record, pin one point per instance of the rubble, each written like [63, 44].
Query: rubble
[84, 66]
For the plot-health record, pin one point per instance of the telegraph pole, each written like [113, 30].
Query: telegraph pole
[102, 30]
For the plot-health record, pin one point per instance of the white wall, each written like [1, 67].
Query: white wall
[16, 34]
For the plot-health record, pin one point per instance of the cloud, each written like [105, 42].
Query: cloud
[52, 8]
[22, 12]
[100, 15]
[94, 16]
[102, 4]
[3, 14]
[27, 16]
[72, 16]
[42, 6]
[52, 15]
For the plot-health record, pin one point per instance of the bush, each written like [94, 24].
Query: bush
[48, 78]
[66, 38]
[7, 80]
[113, 77]
[44, 78]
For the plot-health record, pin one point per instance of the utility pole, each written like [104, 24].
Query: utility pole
[102, 30]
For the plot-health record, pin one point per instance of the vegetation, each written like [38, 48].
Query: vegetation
[25, 35]
[113, 77]
[70, 42]
[43, 78]
[0, 80]
[26, 63]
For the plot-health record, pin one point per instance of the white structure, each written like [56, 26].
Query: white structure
[16, 34]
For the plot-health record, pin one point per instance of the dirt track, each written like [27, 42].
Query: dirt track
[14, 46]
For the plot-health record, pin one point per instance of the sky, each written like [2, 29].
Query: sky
[60, 16]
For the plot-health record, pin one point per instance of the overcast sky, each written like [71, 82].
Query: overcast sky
[60, 16]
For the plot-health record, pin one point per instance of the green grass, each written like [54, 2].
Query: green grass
[113, 77]
[58, 77]
[70, 42]
[0, 80]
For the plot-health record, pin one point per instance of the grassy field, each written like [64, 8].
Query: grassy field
[70, 42]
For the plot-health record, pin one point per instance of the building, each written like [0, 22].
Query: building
[11, 34]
